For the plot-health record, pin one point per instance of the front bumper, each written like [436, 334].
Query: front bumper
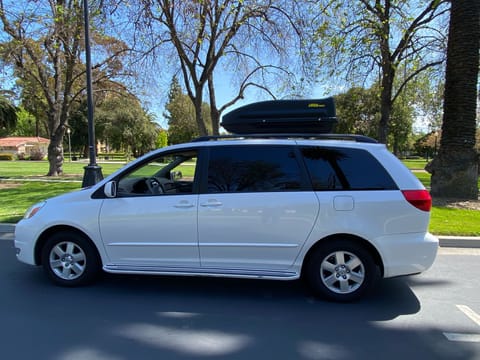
[24, 243]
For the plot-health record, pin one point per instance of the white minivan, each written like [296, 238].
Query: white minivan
[340, 211]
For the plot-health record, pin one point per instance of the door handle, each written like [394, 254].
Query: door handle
[184, 205]
[211, 203]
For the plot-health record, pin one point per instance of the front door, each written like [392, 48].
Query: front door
[153, 219]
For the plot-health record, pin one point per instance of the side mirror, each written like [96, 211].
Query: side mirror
[110, 189]
[175, 175]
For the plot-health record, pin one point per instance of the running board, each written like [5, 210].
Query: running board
[232, 273]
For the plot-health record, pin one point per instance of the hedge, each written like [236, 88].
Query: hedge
[6, 157]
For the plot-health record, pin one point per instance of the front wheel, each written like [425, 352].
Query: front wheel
[341, 270]
[69, 259]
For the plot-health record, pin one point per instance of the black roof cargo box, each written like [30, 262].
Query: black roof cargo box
[282, 116]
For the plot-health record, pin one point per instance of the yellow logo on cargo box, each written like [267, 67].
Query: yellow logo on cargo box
[315, 105]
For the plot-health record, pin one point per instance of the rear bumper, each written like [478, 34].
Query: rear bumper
[407, 254]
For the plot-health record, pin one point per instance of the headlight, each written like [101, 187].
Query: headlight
[33, 210]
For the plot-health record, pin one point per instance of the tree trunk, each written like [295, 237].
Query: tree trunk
[383, 126]
[55, 152]
[215, 116]
[385, 103]
[214, 113]
[455, 169]
[197, 103]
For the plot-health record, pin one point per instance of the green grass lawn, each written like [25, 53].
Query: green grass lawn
[447, 221]
[415, 164]
[28, 169]
[17, 196]
[424, 177]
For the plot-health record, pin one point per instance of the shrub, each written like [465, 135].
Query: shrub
[37, 154]
[6, 157]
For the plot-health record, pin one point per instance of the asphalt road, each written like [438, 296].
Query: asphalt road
[429, 316]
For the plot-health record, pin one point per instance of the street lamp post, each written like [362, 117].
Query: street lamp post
[69, 145]
[93, 172]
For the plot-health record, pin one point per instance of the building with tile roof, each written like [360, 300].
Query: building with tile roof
[23, 147]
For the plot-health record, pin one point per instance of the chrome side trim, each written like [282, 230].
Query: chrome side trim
[242, 244]
[215, 272]
[163, 243]
[216, 244]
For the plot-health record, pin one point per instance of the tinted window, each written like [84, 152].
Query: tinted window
[348, 169]
[253, 169]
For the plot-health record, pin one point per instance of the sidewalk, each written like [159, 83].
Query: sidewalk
[7, 230]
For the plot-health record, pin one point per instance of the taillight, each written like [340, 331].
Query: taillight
[421, 199]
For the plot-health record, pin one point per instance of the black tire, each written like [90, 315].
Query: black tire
[341, 270]
[69, 259]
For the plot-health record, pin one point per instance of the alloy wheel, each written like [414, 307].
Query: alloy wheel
[342, 272]
[67, 260]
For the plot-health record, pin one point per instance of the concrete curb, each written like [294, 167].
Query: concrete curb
[459, 241]
[7, 230]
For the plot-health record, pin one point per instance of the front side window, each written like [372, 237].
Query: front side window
[166, 175]
[253, 169]
[345, 169]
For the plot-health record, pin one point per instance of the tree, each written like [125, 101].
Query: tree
[26, 124]
[363, 39]
[44, 42]
[455, 169]
[358, 111]
[180, 114]
[124, 125]
[429, 101]
[250, 36]
[78, 124]
[162, 139]
[8, 116]
[427, 145]
[401, 120]
[34, 102]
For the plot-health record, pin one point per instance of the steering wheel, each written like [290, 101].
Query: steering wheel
[154, 186]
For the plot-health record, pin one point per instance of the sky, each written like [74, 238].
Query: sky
[225, 91]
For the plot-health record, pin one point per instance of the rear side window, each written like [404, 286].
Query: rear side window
[253, 169]
[345, 169]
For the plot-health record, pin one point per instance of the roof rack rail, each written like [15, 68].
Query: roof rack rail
[347, 137]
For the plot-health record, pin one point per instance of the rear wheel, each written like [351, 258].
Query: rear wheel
[341, 270]
[69, 259]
